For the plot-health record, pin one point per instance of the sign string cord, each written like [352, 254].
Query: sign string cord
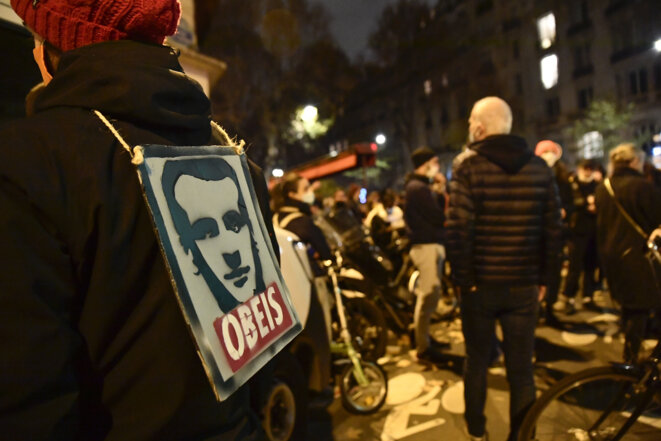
[137, 155]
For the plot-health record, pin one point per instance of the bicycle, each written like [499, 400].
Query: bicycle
[602, 403]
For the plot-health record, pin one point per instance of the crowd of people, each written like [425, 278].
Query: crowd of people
[93, 341]
[523, 236]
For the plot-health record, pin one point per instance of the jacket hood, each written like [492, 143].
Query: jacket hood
[626, 171]
[416, 177]
[509, 152]
[137, 82]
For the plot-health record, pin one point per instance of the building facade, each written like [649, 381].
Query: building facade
[548, 58]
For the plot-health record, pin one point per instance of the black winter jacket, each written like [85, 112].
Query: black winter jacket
[503, 224]
[621, 249]
[582, 221]
[92, 342]
[423, 215]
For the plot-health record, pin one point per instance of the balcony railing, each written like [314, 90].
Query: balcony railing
[582, 71]
[615, 5]
[628, 52]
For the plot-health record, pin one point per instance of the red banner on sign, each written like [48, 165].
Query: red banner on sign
[250, 327]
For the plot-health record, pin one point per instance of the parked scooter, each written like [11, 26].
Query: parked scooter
[388, 279]
[304, 366]
[325, 344]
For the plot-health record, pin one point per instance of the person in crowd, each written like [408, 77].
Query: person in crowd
[622, 248]
[652, 174]
[346, 218]
[353, 201]
[373, 199]
[94, 345]
[551, 152]
[582, 240]
[295, 215]
[440, 187]
[503, 234]
[394, 214]
[424, 219]
[598, 172]
[385, 220]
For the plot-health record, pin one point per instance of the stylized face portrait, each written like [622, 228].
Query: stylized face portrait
[220, 232]
[210, 216]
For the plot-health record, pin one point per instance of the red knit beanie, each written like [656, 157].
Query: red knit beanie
[69, 24]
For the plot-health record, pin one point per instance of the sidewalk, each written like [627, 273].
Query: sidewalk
[425, 403]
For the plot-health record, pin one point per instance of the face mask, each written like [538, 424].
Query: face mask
[308, 197]
[584, 179]
[40, 57]
[550, 158]
[432, 171]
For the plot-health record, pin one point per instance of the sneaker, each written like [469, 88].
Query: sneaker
[439, 344]
[570, 308]
[432, 355]
[560, 305]
[484, 437]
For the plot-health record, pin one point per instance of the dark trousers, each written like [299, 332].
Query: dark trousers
[582, 257]
[516, 309]
[635, 324]
[552, 289]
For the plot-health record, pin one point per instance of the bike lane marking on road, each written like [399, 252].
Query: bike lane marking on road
[397, 427]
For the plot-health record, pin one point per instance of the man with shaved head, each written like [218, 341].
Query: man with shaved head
[503, 235]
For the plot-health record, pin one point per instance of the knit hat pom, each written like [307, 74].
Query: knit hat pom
[69, 24]
[154, 21]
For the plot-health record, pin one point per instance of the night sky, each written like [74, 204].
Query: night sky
[354, 20]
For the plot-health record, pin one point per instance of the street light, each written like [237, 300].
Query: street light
[657, 45]
[278, 173]
[309, 114]
[380, 139]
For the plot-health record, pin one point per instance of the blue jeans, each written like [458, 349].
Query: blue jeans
[516, 308]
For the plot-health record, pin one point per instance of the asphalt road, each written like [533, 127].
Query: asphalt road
[426, 402]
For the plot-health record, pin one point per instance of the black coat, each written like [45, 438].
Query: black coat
[621, 248]
[92, 342]
[582, 221]
[503, 224]
[423, 215]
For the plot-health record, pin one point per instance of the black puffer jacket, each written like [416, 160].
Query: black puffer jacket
[503, 222]
[92, 342]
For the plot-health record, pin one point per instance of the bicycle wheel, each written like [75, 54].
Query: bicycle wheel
[592, 405]
[367, 327]
[365, 399]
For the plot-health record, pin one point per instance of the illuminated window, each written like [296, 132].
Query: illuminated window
[591, 145]
[427, 87]
[549, 67]
[546, 30]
